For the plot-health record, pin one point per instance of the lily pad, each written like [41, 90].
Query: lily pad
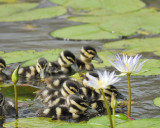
[103, 120]
[10, 9]
[157, 101]
[34, 122]
[30, 57]
[82, 126]
[112, 26]
[33, 14]
[84, 32]
[111, 5]
[142, 123]
[24, 92]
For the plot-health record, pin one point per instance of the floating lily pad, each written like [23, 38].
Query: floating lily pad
[112, 26]
[157, 101]
[111, 5]
[84, 32]
[15, 12]
[82, 126]
[34, 122]
[11, 9]
[142, 123]
[24, 92]
[103, 120]
[30, 57]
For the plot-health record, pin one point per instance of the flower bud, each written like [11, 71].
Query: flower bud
[113, 101]
[15, 76]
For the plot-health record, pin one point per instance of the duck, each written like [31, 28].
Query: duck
[51, 97]
[7, 107]
[75, 108]
[87, 54]
[66, 64]
[3, 76]
[38, 71]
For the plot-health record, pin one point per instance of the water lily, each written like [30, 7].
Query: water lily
[128, 65]
[104, 79]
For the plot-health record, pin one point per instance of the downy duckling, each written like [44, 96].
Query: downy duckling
[6, 107]
[50, 96]
[66, 64]
[55, 82]
[38, 71]
[3, 76]
[75, 108]
[87, 54]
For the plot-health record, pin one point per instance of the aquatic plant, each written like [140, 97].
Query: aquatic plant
[15, 79]
[127, 66]
[105, 79]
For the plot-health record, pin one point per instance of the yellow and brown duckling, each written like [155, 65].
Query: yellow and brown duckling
[3, 76]
[75, 108]
[51, 97]
[87, 54]
[66, 64]
[6, 107]
[38, 71]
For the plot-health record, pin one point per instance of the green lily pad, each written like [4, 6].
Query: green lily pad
[34, 122]
[157, 101]
[82, 126]
[103, 120]
[135, 46]
[28, 15]
[84, 32]
[112, 26]
[142, 123]
[11, 9]
[30, 57]
[24, 92]
[111, 5]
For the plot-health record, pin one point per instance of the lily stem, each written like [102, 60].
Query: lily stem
[129, 94]
[107, 107]
[16, 100]
[113, 119]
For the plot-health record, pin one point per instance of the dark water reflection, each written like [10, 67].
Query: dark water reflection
[34, 35]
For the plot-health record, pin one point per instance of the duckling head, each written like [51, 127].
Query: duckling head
[76, 104]
[41, 67]
[67, 59]
[2, 64]
[69, 87]
[88, 54]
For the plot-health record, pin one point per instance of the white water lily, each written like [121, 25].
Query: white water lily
[105, 79]
[128, 65]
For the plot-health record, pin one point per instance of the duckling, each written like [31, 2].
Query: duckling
[35, 71]
[3, 76]
[66, 64]
[55, 82]
[87, 54]
[50, 96]
[75, 108]
[6, 107]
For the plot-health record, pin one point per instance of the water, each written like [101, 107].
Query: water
[34, 35]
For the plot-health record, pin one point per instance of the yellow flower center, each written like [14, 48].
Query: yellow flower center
[100, 83]
[127, 67]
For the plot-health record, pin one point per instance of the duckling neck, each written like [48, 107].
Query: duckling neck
[89, 66]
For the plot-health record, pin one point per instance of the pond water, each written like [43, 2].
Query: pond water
[34, 35]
